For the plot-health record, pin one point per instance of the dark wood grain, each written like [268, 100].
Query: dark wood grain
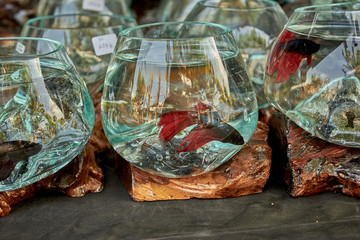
[311, 165]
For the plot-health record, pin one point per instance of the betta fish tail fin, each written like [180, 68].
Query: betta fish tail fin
[175, 121]
[203, 134]
[198, 137]
[308, 58]
[289, 63]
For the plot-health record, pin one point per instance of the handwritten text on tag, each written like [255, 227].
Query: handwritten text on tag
[104, 44]
[20, 48]
[93, 5]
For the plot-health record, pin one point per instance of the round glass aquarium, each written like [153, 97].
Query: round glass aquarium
[313, 71]
[58, 7]
[255, 25]
[46, 113]
[177, 100]
[88, 38]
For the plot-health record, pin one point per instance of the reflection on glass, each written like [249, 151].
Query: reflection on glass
[177, 100]
[313, 72]
[46, 113]
[57, 7]
[89, 39]
[322, 2]
[255, 25]
[174, 10]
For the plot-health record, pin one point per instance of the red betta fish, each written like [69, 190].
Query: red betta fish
[287, 55]
[209, 127]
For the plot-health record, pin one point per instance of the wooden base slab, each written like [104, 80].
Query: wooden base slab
[246, 173]
[265, 113]
[310, 165]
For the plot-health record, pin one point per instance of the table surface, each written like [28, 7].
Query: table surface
[112, 214]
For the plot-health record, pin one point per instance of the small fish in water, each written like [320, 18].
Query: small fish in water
[209, 127]
[11, 153]
[303, 47]
[288, 54]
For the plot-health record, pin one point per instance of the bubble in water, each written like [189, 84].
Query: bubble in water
[183, 155]
[159, 157]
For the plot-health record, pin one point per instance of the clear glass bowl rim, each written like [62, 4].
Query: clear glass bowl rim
[322, 8]
[212, 4]
[128, 20]
[58, 45]
[124, 33]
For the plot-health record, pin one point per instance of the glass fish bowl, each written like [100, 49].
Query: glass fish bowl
[313, 71]
[59, 7]
[177, 100]
[88, 38]
[255, 25]
[46, 113]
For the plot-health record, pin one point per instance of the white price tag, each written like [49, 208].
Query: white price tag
[93, 5]
[104, 44]
[20, 48]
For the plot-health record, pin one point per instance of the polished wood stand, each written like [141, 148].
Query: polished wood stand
[246, 173]
[309, 165]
